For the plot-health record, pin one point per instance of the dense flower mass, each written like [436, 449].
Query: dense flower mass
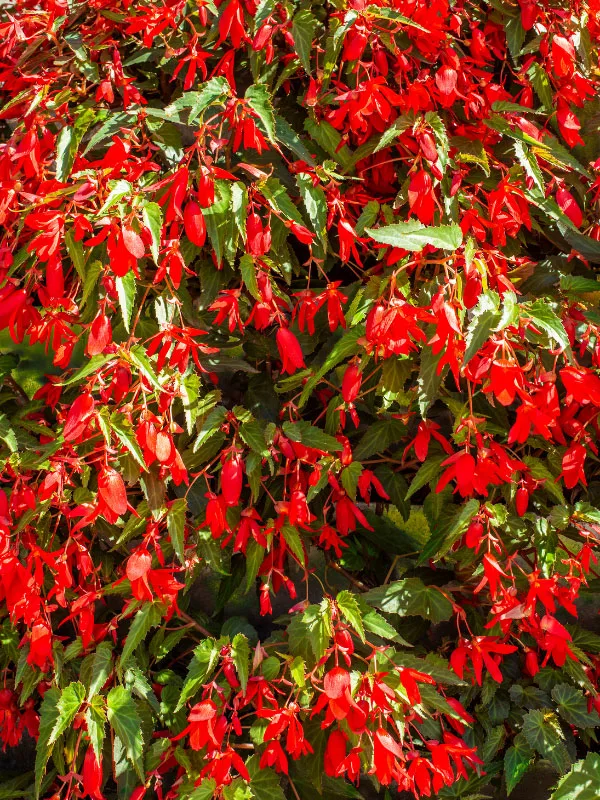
[299, 396]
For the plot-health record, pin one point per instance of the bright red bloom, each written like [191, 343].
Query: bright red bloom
[290, 351]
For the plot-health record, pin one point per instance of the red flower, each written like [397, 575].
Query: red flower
[290, 351]
[274, 756]
[386, 752]
[92, 776]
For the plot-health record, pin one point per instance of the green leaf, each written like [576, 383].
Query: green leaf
[412, 235]
[449, 531]
[541, 83]
[542, 730]
[176, 526]
[76, 254]
[126, 288]
[429, 380]
[280, 200]
[264, 782]
[329, 139]
[68, 142]
[95, 718]
[210, 425]
[517, 761]
[401, 124]
[298, 672]
[253, 435]
[108, 128]
[154, 492]
[7, 434]
[346, 346]
[368, 216]
[315, 203]
[48, 716]
[310, 436]
[91, 365]
[378, 437]
[471, 151]
[549, 149]
[309, 633]
[219, 222]
[120, 189]
[248, 271]
[530, 164]
[259, 100]
[427, 473]
[67, 707]
[138, 357]
[540, 472]
[240, 653]
[255, 554]
[515, 35]
[578, 285]
[288, 137]
[101, 668]
[125, 433]
[572, 706]
[202, 665]
[206, 790]
[410, 597]
[294, 542]
[214, 90]
[153, 220]
[543, 317]
[125, 721]
[486, 316]
[304, 25]
[350, 477]
[348, 605]
[149, 616]
[582, 782]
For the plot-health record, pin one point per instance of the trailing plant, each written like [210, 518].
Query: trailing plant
[300, 388]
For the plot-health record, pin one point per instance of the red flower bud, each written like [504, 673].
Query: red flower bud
[522, 500]
[231, 480]
[351, 383]
[289, 350]
[474, 534]
[194, 224]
